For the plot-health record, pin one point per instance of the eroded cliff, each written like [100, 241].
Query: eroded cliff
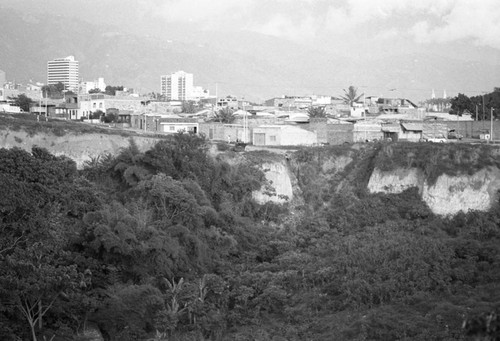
[448, 194]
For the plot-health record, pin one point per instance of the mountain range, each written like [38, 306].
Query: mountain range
[239, 63]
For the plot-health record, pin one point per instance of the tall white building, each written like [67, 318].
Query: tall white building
[64, 70]
[2, 78]
[99, 83]
[177, 86]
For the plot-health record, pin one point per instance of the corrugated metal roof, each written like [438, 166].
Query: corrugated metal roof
[413, 126]
[391, 128]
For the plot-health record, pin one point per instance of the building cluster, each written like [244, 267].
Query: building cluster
[285, 120]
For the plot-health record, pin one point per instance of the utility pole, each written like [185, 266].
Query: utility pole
[491, 124]
[483, 108]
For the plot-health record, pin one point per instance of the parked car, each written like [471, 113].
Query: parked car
[437, 139]
[452, 134]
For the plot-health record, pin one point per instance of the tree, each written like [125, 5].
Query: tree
[189, 107]
[351, 95]
[97, 115]
[95, 91]
[224, 115]
[316, 112]
[110, 117]
[22, 101]
[460, 104]
[36, 267]
[53, 90]
[111, 90]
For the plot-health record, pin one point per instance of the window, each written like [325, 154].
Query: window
[94, 105]
[100, 105]
[172, 128]
[272, 138]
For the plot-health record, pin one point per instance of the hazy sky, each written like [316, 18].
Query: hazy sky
[427, 21]
[305, 21]
[413, 35]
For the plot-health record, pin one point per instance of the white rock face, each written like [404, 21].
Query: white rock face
[449, 195]
[279, 179]
[395, 181]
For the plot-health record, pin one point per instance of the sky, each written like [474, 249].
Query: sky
[303, 21]
[306, 21]
[361, 30]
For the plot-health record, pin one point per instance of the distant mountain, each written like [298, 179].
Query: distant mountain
[243, 64]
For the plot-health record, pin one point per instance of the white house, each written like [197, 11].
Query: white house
[283, 135]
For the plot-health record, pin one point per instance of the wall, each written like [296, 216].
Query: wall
[268, 132]
[339, 133]
[295, 136]
[367, 131]
[472, 129]
[213, 131]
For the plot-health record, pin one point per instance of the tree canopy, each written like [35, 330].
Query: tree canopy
[22, 101]
[169, 244]
[111, 90]
[481, 104]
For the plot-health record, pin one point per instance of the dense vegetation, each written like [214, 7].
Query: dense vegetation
[437, 159]
[169, 244]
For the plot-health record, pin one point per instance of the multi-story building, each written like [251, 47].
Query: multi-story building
[64, 70]
[85, 87]
[2, 78]
[177, 86]
[90, 103]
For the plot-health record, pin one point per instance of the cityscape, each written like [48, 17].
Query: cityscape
[220, 170]
[180, 105]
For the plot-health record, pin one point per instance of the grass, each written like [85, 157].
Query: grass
[30, 124]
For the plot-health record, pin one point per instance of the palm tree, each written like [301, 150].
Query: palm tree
[351, 95]
[224, 115]
[316, 112]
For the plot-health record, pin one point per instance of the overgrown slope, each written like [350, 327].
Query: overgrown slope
[168, 244]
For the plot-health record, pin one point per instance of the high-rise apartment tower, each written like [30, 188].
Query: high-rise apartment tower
[177, 86]
[64, 70]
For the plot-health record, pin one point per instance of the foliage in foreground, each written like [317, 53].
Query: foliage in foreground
[168, 244]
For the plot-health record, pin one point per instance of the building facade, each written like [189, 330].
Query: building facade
[3, 79]
[64, 70]
[177, 86]
[99, 83]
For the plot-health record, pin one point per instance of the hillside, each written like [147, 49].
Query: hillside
[178, 243]
[82, 142]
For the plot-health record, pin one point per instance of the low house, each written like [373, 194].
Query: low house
[176, 125]
[226, 132]
[68, 109]
[411, 131]
[391, 130]
[283, 135]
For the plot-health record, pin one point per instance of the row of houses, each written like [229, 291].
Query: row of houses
[375, 119]
[281, 131]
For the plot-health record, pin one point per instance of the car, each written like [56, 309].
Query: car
[453, 135]
[437, 139]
